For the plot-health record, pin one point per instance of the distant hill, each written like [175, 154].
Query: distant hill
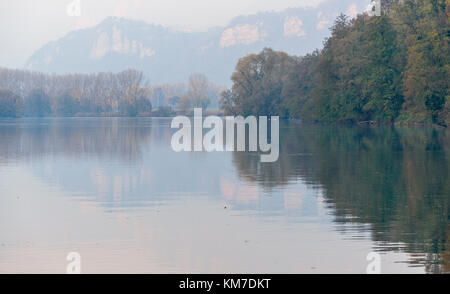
[166, 55]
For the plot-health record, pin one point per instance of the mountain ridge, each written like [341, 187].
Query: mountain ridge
[168, 55]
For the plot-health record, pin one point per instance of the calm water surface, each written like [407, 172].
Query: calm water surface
[113, 190]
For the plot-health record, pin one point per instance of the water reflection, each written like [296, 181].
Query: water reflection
[116, 139]
[394, 178]
[391, 183]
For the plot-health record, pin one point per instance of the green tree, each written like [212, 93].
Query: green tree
[300, 85]
[381, 88]
[360, 69]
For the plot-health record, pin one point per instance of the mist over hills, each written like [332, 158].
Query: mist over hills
[166, 55]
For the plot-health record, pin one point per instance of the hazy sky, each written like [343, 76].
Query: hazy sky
[26, 25]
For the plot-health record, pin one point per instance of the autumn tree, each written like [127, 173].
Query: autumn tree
[66, 104]
[425, 27]
[226, 102]
[37, 104]
[384, 69]
[132, 94]
[258, 83]
[11, 105]
[199, 88]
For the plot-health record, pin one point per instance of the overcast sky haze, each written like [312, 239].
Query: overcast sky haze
[26, 25]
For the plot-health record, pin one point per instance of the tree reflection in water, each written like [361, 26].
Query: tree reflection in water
[394, 178]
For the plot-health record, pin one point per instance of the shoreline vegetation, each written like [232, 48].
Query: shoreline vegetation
[126, 94]
[376, 70]
[372, 70]
[152, 114]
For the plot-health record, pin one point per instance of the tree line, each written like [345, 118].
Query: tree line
[382, 69]
[127, 93]
[40, 95]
